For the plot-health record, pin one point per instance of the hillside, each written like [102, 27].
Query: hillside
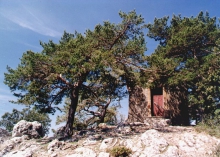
[149, 139]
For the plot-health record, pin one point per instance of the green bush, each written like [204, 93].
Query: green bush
[210, 124]
[120, 151]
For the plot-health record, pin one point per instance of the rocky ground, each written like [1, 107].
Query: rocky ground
[154, 138]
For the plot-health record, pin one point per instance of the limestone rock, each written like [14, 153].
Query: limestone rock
[55, 145]
[26, 148]
[83, 152]
[89, 142]
[27, 152]
[103, 154]
[157, 122]
[165, 141]
[32, 129]
[108, 143]
[172, 151]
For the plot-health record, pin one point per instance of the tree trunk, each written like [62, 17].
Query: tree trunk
[102, 118]
[74, 96]
[103, 114]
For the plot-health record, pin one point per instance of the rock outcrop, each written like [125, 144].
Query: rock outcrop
[31, 129]
[145, 140]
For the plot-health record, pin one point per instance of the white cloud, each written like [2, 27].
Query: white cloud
[37, 48]
[33, 19]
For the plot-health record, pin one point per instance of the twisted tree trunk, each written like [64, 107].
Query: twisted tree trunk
[74, 97]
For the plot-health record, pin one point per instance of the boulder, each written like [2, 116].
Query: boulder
[32, 129]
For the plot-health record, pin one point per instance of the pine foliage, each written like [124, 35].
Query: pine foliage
[187, 60]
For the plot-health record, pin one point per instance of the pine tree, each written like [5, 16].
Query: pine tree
[76, 65]
[90, 115]
[187, 63]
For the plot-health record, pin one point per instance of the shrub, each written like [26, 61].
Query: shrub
[210, 125]
[120, 151]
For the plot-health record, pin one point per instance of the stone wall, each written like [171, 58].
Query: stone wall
[139, 105]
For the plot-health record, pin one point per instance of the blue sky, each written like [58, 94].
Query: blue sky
[26, 22]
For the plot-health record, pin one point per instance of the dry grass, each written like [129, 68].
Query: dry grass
[211, 130]
[210, 126]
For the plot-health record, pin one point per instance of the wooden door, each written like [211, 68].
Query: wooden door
[158, 109]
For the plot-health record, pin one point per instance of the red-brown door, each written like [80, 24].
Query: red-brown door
[158, 105]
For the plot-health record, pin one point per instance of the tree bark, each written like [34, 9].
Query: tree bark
[74, 96]
[102, 118]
